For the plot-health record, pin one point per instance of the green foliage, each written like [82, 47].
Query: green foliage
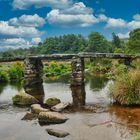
[64, 44]
[16, 72]
[120, 69]
[56, 69]
[119, 50]
[101, 66]
[72, 43]
[3, 76]
[98, 43]
[134, 41]
[126, 89]
[116, 42]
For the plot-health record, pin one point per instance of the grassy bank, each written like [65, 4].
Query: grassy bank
[126, 88]
[11, 72]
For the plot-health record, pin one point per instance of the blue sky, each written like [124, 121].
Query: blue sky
[24, 23]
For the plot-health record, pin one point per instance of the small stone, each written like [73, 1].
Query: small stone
[60, 107]
[52, 101]
[28, 116]
[57, 133]
[51, 118]
[36, 108]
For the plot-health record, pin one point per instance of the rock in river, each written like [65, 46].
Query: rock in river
[36, 108]
[60, 107]
[29, 116]
[51, 118]
[24, 99]
[57, 133]
[52, 101]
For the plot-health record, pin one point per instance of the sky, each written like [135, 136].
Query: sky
[25, 23]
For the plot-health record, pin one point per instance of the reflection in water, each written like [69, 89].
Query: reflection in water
[34, 87]
[78, 95]
[17, 85]
[2, 87]
[123, 122]
[97, 83]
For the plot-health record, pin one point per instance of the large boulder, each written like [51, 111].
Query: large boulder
[52, 101]
[60, 107]
[36, 109]
[57, 133]
[24, 99]
[51, 118]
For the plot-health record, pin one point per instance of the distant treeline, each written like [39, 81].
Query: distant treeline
[72, 43]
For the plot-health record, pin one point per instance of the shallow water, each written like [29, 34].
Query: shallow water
[96, 121]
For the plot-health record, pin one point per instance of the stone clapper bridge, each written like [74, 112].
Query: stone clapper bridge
[33, 68]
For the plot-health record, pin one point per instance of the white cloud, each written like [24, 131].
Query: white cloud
[23, 4]
[77, 15]
[21, 32]
[136, 17]
[120, 23]
[7, 31]
[133, 24]
[115, 23]
[27, 20]
[124, 35]
[102, 17]
[78, 8]
[35, 41]
[14, 43]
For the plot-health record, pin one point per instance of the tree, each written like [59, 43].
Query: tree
[98, 43]
[134, 41]
[116, 42]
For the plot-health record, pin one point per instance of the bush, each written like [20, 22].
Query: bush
[16, 72]
[3, 76]
[56, 69]
[126, 89]
[101, 66]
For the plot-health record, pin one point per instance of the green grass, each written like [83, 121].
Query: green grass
[137, 136]
[126, 88]
[11, 72]
[56, 69]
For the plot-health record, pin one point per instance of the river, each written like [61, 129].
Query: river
[97, 120]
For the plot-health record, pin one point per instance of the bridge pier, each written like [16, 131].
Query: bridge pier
[33, 69]
[78, 95]
[128, 61]
[77, 65]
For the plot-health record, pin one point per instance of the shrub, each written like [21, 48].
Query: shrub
[3, 76]
[126, 88]
[56, 69]
[16, 71]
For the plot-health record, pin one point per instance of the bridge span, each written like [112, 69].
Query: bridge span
[33, 66]
[70, 56]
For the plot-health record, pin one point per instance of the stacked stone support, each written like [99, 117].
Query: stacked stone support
[33, 69]
[77, 65]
